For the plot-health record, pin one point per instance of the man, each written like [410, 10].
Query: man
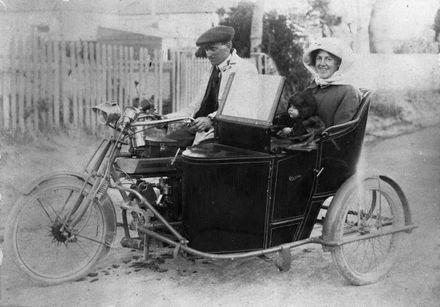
[217, 44]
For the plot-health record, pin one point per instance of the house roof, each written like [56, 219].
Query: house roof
[108, 33]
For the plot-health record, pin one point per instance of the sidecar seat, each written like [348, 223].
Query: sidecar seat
[340, 147]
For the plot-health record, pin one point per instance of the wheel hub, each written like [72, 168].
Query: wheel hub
[58, 235]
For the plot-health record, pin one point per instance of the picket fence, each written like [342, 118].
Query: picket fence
[54, 84]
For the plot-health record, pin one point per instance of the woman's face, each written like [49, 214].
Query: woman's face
[325, 64]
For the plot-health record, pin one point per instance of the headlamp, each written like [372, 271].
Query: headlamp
[108, 113]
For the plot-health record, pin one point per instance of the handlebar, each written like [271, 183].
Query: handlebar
[160, 121]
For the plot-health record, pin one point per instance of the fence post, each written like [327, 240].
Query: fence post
[173, 81]
[87, 85]
[125, 58]
[6, 88]
[29, 84]
[130, 72]
[99, 79]
[43, 105]
[10, 107]
[21, 81]
[178, 82]
[141, 75]
[114, 73]
[101, 72]
[156, 80]
[161, 85]
[56, 83]
[2, 84]
[109, 73]
[80, 83]
[50, 83]
[92, 54]
[37, 83]
[120, 76]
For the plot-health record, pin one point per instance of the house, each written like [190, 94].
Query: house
[177, 23]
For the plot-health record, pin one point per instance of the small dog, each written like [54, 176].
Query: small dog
[302, 116]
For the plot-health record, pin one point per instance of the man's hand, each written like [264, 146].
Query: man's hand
[201, 124]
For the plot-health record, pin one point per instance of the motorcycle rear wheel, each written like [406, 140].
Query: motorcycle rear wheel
[45, 252]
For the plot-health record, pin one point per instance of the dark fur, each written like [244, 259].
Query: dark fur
[308, 120]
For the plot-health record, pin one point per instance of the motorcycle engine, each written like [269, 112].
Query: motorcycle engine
[160, 193]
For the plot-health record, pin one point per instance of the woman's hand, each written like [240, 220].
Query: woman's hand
[285, 131]
[201, 124]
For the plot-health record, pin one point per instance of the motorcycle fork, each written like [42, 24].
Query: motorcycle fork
[98, 174]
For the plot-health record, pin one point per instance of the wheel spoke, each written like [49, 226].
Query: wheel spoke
[91, 239]
[44, 209]
[81, 248]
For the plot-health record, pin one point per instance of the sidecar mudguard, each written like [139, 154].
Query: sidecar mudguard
[334, 210]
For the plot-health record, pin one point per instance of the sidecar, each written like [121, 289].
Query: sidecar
[246, 191]
[250, 193]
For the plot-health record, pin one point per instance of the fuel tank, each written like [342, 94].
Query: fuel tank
[148, 167]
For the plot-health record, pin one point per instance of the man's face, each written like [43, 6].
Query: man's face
[217, 53]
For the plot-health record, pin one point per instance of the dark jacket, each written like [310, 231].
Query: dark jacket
[337, 104]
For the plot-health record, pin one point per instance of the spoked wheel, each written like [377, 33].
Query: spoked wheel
[44, 249]
[367, 207]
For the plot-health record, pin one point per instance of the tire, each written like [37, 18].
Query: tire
[366, 206]
[41, 250]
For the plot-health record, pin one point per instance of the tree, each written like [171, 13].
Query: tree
[327, 21]
[378, 27]
[436, 26]
[257, 26]
[280, 41]
[240, 18]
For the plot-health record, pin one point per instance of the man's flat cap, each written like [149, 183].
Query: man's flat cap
[218, 34]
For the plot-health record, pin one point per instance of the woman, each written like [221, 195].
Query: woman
[329, 61]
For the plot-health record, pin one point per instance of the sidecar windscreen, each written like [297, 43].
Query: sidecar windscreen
[246, 111]
[251, 99]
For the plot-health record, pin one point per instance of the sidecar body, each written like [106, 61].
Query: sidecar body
[246, 192]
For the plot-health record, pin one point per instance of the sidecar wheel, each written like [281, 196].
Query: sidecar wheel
[363, 207]
[45, 252]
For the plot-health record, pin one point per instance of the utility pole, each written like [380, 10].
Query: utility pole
[257, 26]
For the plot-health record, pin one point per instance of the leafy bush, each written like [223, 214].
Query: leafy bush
[282, 43]
[386, 104]
[419, 45]
[406, 106]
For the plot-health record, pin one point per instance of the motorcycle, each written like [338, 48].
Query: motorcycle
[247, 193]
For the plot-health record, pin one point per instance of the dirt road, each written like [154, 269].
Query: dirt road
[413, 160]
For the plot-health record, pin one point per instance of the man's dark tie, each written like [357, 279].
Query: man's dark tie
[210, 100]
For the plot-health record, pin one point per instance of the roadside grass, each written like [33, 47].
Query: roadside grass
[395, 112]
[386, 105]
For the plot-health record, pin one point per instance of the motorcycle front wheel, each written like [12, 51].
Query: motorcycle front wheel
[46, 251]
